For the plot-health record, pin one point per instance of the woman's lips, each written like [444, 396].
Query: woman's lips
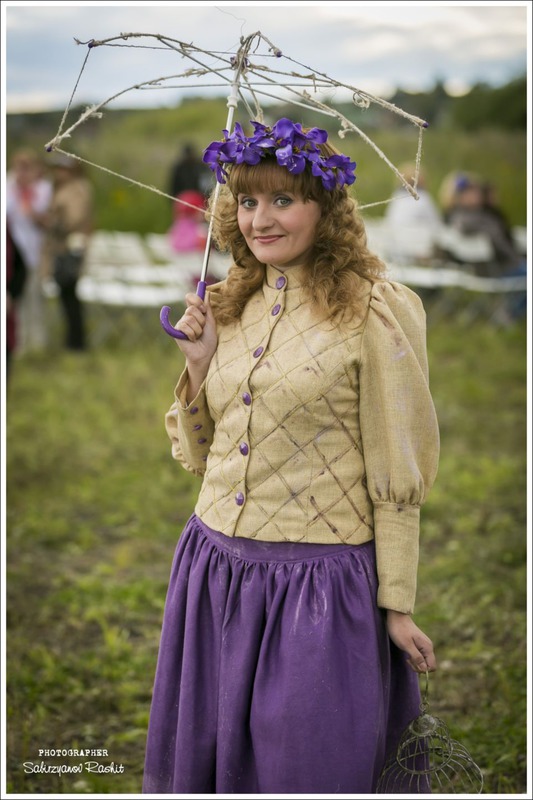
[267, 239]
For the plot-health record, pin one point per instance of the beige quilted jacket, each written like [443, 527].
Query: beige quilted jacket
[305, 431]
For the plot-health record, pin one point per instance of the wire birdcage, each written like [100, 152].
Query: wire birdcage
[429, 761]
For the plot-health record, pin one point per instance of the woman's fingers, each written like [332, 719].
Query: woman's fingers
[421, 655]
[193, 321]
[196, 320]
[415, 644]
[194, 301]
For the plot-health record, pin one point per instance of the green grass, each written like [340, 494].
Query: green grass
[96, 504]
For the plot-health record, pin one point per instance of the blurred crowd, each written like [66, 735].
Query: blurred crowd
[50, 218]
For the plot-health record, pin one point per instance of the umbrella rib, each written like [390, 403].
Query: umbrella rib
[370, 97]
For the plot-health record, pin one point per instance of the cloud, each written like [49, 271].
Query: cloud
[35, 101]
[410, 45]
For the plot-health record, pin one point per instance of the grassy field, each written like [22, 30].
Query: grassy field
[95, 506]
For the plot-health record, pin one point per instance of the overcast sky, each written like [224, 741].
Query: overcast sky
[374, 46]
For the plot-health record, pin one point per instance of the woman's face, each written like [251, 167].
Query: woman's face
[279, 227]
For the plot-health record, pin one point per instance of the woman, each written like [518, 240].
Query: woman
[288, 661]
[70, 224]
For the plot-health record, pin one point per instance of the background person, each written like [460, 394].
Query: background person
[28, 196]
[189, 173]
[470, 214]
[188, 232]
[411, 225]
[70, 224]
[16, 276]
[289, 658]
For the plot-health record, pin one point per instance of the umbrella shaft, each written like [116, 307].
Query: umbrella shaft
[233, 100]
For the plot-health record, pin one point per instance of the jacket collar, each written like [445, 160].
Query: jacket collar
[294, 277]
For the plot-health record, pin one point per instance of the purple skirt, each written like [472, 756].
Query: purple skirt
[275, 672]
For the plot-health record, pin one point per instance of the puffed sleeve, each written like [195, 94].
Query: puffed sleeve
[190, 427]
[400, 435]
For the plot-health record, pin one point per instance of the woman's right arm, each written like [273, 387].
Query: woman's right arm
[188, 422]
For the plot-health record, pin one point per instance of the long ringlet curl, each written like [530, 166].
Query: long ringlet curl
[340, 262]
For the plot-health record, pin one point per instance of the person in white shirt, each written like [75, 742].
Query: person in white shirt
[411, 225]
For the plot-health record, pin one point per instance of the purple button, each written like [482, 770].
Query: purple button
[194, 410]
[197, 427]
[258, 352]
[280, 283]
[276, 309]
[239, 498]
[243, 447]
[247, 399]
[202, 441]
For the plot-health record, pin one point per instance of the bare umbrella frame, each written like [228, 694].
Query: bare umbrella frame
[246, 75]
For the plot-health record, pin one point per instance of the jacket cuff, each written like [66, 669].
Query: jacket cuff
[396, 532]
[195, 426]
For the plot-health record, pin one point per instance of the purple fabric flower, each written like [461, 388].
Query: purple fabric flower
[291, 146]
[286, 157]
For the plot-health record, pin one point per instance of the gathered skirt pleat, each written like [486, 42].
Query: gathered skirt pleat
[275, 672]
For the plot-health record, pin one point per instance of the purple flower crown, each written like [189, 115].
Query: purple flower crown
[286, 141]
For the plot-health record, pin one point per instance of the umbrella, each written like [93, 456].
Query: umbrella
[257, 69]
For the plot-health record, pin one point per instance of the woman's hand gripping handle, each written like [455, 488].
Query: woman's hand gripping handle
[165, 311]
[198, 339]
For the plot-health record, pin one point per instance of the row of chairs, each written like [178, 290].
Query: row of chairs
[130, 276]
[124, 268]
[436, 246]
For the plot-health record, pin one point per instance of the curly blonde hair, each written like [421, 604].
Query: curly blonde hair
[340, 260]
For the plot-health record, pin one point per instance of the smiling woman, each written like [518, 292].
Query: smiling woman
[288, 659]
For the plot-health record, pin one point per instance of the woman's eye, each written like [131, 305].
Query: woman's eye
[247, 202]
[283, 201]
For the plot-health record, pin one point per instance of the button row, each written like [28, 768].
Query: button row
[246, 397]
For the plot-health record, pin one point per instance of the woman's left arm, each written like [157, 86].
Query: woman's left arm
[400, 438]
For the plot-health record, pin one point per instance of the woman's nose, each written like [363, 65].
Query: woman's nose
[262, 216]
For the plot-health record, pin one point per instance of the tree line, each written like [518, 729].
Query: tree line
[503, 107]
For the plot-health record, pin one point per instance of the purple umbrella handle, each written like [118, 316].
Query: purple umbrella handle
[165, 311]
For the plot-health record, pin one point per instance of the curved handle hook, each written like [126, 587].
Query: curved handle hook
[165, 311]
[167, 326]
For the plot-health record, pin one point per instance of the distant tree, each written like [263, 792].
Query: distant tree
[432, 106]
[504, 107]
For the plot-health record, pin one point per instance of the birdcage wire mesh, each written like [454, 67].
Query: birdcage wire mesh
[428, 761]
